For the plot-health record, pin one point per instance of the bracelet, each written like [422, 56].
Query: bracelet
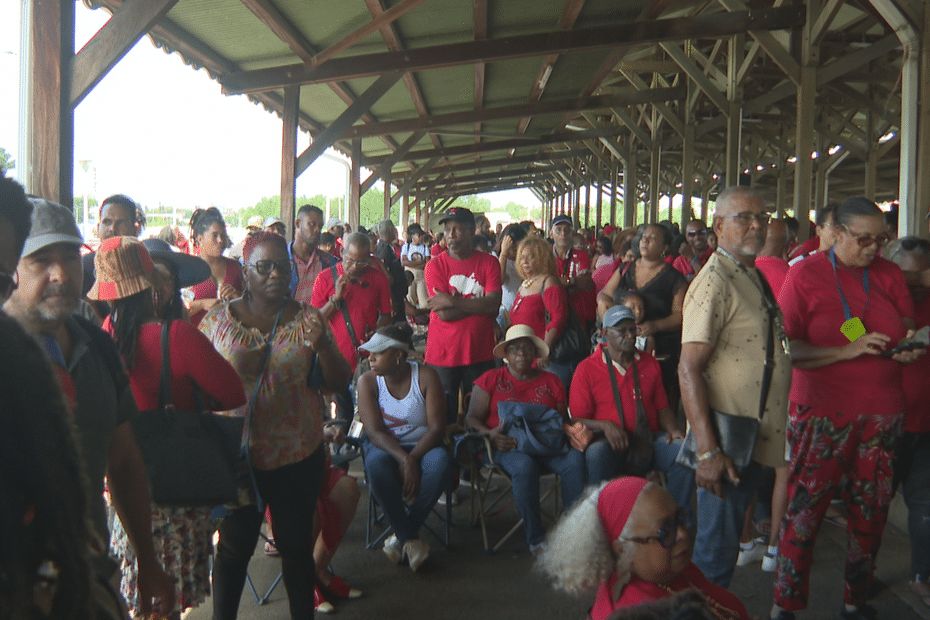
[706, 456]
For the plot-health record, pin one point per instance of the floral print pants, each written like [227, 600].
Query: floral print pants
[835, 455]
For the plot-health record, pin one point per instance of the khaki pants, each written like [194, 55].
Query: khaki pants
[417, 294]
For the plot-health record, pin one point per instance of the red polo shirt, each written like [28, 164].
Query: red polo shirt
[591, 395]
[685, 267]
[366, 299]
[774, 269]
[544, 389]
[584, 303]
[917, 380]
[471, 339]
[810, 302]
[811, 245]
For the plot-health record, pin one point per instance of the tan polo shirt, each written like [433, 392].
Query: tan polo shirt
[725, 308]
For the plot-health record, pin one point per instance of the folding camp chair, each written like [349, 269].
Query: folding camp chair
[221, 512]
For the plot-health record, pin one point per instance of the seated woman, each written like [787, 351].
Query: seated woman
[629, 540]
[519, 381]
[402, 407]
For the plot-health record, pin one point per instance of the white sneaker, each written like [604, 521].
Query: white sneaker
[770, 560]
[392, 549]
[751, 552]
[455, 499]
[416, 551]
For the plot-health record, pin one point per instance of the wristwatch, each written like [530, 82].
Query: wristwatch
[706, 456]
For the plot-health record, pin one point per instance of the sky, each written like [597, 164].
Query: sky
[163, 133]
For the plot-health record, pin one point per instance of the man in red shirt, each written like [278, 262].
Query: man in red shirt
[592, 400]
[912, 255]
[464, 288]
[574, 268]
[770, 261]
[696, 236]
[307, 259]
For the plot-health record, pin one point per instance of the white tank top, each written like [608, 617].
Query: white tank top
[406, 417]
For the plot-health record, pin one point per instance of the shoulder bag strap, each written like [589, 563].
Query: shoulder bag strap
[618, 404]
[567, 265]
[164, 387]
[769, 369]
[345, 314]
[642, 422]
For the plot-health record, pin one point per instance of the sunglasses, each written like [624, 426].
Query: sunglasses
[865, 240]
[746, 218]
[265, 267]
[668, 531]
[8, 283]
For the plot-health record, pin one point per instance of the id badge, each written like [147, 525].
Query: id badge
[853, 329]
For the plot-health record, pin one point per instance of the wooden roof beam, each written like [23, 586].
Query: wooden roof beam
[381, 20]
[505, 174]
[470, 149]
[435, 57]
[510, 161]
[516, 111]
[770, 44]
[395, 157]
[696, 74]
[480, 16]
[667, 113]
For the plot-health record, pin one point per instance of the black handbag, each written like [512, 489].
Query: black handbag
[191, 457]
[537, 429]
[737, 435]
[574, 344]
[641, 452]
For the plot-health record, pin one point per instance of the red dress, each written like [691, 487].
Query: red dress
[532, 309]
[721, 602]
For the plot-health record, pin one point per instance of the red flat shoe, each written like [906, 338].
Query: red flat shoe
[338, 588]
[320, 603]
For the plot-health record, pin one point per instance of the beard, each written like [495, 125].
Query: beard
[58, 303]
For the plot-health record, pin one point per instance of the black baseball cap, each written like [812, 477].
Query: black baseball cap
[561, 219]
[458, 214]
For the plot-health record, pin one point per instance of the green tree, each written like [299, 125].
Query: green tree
[6, 160]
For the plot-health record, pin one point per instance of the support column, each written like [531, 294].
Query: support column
[404, 213]
[587, 203]
[687, 171]
[734, 110]
[820, 179]
[289, 157]
[705, 198]
[355, 184]
[654, 157]
[781, 191]
[387, 194]
[629, 190]
[599, 203]
[614, 179]
[576, 208]
[871, 157]
[807, 91]
[923, 124]
[48, 151]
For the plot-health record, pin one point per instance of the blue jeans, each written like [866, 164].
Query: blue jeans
[917, 497]
[563, 371]
[386, 483]
[720, 523]
[605, 464]
[524, 471]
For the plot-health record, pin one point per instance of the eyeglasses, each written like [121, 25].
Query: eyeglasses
[865, 240]
[351, 261]
[697, 233]
[668, 531]
[8, 283]
[746, 218]
[264, 267]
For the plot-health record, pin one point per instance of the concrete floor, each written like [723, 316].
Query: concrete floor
[464, 582]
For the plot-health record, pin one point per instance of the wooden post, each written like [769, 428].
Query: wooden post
[576, 210]
[417, 212]
[780, 191]
[587, 203]
[49, 144]
[871, 158]
[387, 194]
[705, 198]
[404, 213]
[614, 179]
[289, 157]
[629, 190]
[687, 161]
[654, 162]
[923, 127]
[355, 184]
[599, 204]
[820, 178]
[807, 92]
[735, 110]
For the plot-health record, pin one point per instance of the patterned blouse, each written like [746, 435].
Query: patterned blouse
[287, 426]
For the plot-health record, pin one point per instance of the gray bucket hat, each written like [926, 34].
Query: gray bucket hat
[51, 223]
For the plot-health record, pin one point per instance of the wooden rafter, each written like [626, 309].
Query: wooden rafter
[380, 21]
[480, 13]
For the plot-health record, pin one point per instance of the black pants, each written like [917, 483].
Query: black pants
[455, 377]
[291, 493]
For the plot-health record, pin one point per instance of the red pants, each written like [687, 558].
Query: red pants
[835, 455]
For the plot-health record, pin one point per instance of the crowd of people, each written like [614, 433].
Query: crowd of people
[660, 373]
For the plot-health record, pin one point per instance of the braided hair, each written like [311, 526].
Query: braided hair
[203, 219]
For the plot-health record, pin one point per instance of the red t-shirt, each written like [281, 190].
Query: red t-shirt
[436, 250]
[194, 362]
[544, 389]
[591, 395]
[208, 289]
[917, 380]
[774, 269]
[366, 299]
[601, 275]
[685, 267]
[531, 310]
[471, 339]
[805, 248]
[584, 303]
[810, 302]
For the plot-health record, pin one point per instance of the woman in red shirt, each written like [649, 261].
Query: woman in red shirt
[182, 535]
[520, 381]
[842, 310]
[629, 539]
[541, 301]
[208, 232]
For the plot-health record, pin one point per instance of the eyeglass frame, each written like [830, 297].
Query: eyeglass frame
[261, 267]
[681, 519]
[882, 239]
[747, 218]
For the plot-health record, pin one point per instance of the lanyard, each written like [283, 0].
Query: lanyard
[847, 311]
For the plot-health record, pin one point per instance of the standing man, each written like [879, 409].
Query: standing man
[465, 295]
[730, 365]
[335, 226]
[696, 236]
[307, 259]
[44, 301]
[413, 256]
[384, 251]
[573, 267]
[771, 261]
[119, 217]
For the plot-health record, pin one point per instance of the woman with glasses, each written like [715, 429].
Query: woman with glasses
[845, 312]
[285, 355]
[663, 291]
[629, 540]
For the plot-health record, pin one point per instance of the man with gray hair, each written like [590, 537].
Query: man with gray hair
[735, 372]
[387, 252]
